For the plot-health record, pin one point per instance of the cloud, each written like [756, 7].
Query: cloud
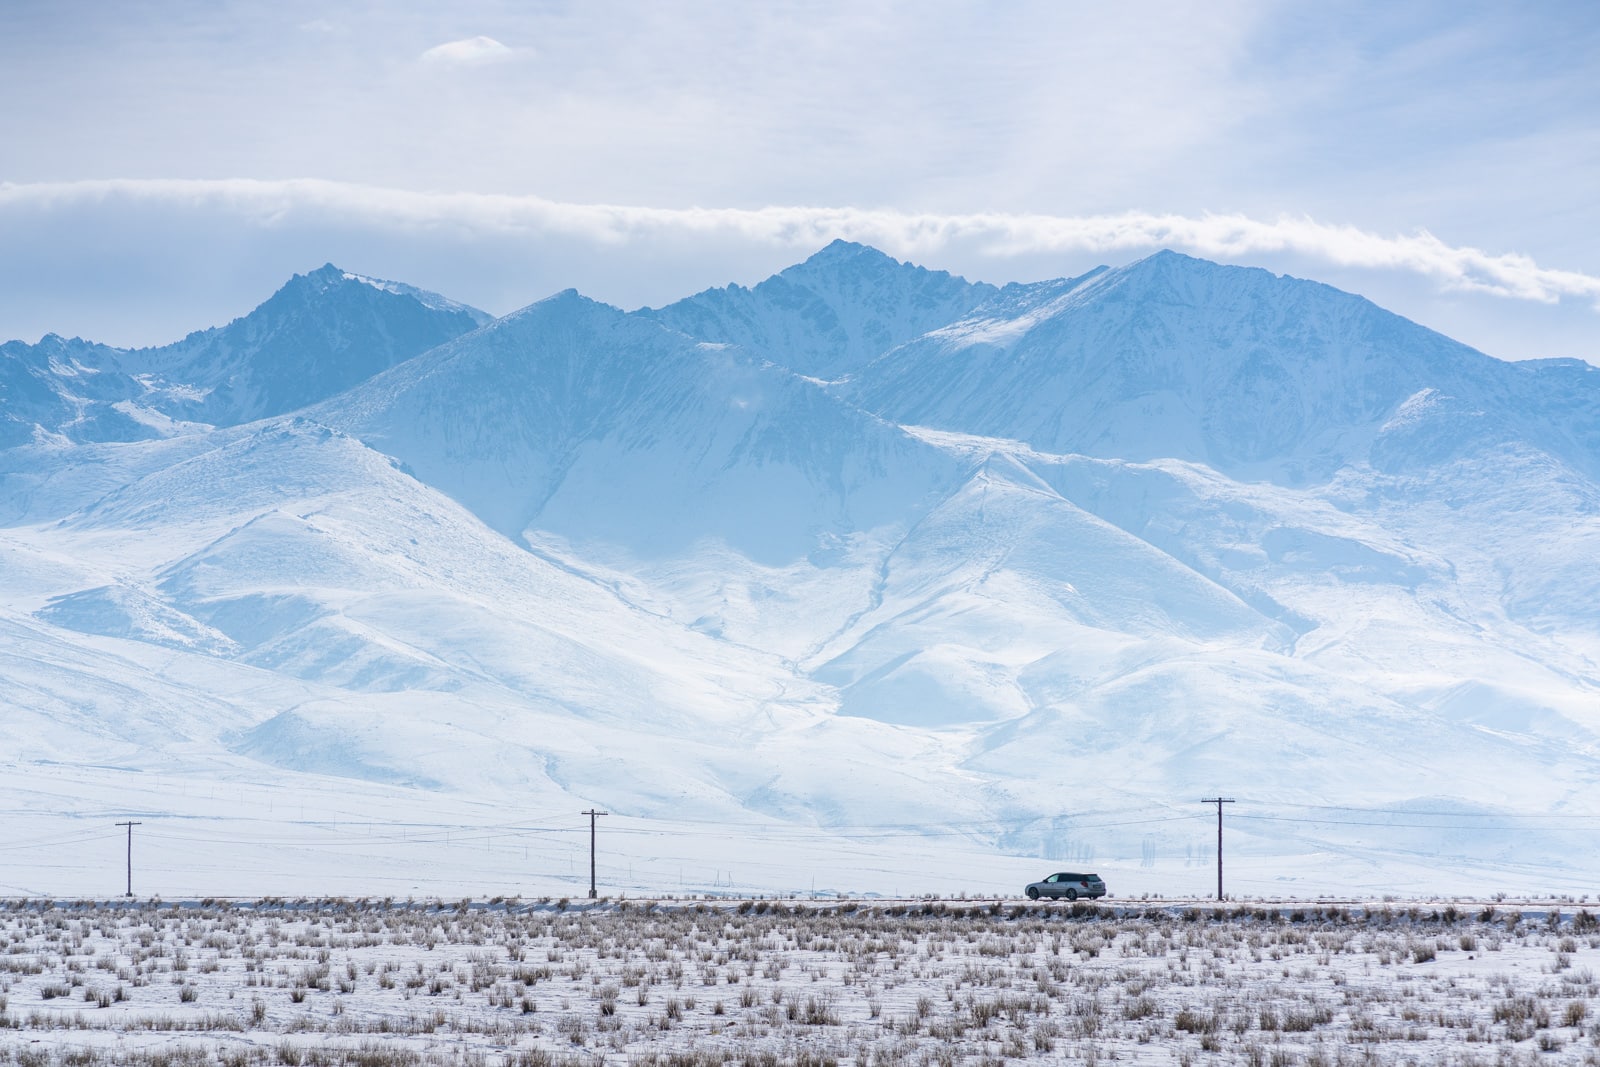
[908, 234]
[470, 51]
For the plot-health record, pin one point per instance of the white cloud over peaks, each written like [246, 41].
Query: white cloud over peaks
[470, 51]
[907, 234]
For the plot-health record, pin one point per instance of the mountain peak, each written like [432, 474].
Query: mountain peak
[325, 279]
[847, 257]
[319, 334]
[566, 302]
[840, 250]
[329, 278]
[1170, 255]
[831, 314]
[1169, 267]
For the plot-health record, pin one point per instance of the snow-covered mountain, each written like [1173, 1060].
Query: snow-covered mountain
[320, 334]
[1252, 374]
[866, 559]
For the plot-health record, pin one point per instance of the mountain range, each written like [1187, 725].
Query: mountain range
[865, 573]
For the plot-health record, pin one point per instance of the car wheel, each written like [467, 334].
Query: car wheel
[1072, 894]
[1033, 894]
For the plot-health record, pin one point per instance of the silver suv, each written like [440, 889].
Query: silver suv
[1071, 886]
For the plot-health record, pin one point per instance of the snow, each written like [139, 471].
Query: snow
[429, 300]
[797, 981]
[867, 579]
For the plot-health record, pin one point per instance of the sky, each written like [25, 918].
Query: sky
[164, 166]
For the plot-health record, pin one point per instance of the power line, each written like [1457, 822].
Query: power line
[1380, 825]
[82, 837]
[1019, 820]
[663, 829]
[844, 833]
[1017, 825]
[1424, 811]
[450, 835]
[316, 834]
[396, 834]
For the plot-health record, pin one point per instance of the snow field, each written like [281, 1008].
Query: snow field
[772, 983]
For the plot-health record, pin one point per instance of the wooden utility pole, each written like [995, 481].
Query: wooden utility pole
[130, 825]
[1218, 801]
[592, 816]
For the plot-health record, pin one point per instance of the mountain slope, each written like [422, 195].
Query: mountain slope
[583, 421]
[362, 626]
[941, 645]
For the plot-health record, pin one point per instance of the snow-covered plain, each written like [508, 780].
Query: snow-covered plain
[787, 982]
[863, 580]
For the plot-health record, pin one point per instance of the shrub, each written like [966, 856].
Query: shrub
[1307, 1019]
[1138, 1008]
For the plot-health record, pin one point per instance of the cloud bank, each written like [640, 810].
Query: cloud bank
[907, 234]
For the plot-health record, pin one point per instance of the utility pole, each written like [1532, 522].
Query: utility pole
[130, 825]
[592, 816]
[1218, 801]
